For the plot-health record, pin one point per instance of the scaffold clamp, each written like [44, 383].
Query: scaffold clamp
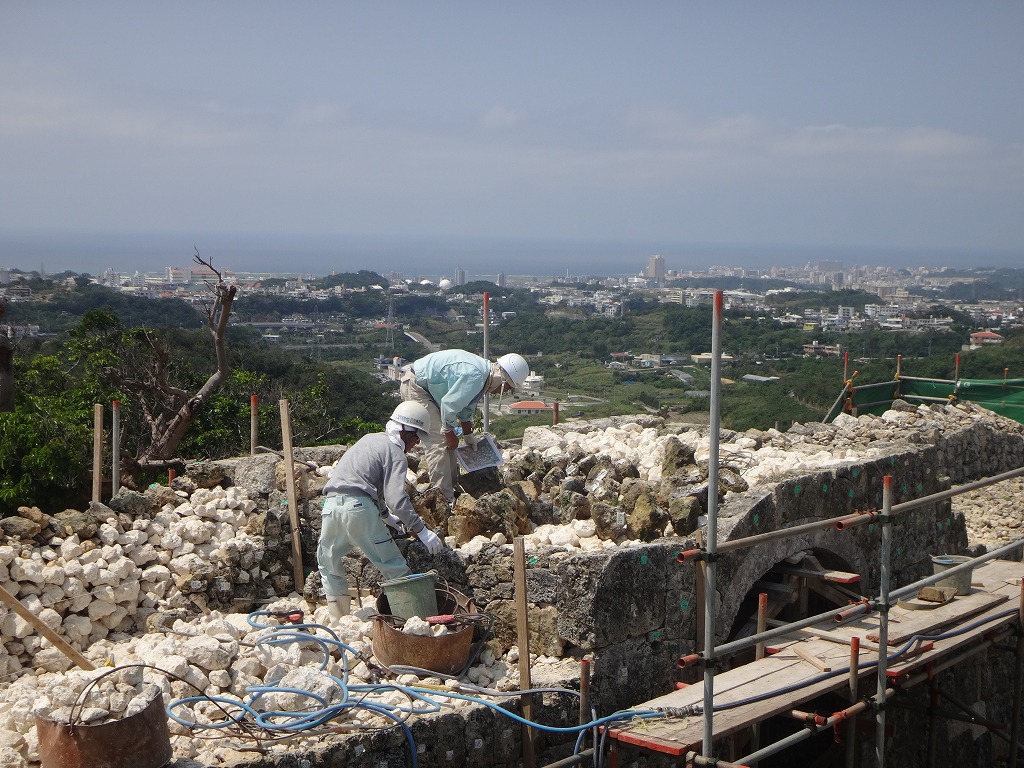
[689, 555]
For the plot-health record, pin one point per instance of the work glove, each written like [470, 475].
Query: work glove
[430, 540]
[393, 522]
[470, 439]
[451, 440]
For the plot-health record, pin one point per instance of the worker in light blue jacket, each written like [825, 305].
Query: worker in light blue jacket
[450, 383]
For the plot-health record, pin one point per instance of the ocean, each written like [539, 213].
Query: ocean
[433, 258]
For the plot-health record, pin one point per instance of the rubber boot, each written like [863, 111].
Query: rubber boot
[339, 605]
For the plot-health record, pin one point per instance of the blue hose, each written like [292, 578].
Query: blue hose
[353, 696]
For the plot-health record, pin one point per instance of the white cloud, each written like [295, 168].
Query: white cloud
[500, 117]
[320, 115]
[55, 113]
[676, 127]
[910, 142]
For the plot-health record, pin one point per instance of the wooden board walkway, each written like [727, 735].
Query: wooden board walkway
[789, 678]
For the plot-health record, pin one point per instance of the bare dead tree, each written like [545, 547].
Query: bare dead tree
[169, 410]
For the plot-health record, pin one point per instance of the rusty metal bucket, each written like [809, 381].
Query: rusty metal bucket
[141, 740]
[446, 654]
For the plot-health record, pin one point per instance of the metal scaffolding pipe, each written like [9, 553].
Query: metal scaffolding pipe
[585, 698]
[692, 758]
[995, 554]
[580, 757]
[970, 716]
[842, 396]
[867, 606]
[710, 586]
[487, 351]
[926, 380]
[883, 625]
[746, 642]
[879, 385]
[853, 519]
[873, 403]
[933, 719]
[861, 706]
[997, 728]
[811, 730]
[922, 677]
[841, 523]
[1015, 722]
[906, 506]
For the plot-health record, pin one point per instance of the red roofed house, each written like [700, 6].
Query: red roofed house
[980, 338]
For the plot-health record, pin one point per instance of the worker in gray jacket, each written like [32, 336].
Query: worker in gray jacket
[365, 494]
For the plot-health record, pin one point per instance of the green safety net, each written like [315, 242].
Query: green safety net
[1003, 396]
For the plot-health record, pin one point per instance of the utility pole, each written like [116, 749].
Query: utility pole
[390, 322]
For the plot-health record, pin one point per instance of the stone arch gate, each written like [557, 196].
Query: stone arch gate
[636, 610]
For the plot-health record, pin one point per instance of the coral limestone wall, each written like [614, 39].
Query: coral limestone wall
[166, 576]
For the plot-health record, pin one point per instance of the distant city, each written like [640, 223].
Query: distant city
[522, 260]
[908, 298]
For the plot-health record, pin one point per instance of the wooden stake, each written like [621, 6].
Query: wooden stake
[762, 622]
[293, 503]
[523, 635]
[254, 424]
[59, 642]
[115, 448]
[97, 451]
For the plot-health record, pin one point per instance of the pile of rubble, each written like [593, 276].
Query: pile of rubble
[994, 514]
[152, 578]
[206, 665]
[638, 478]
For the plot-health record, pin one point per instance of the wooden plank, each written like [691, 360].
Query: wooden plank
[59, 642]
[786, 591]
[293, 501]
[995, 573]
[837, 595]
[825, 634]
[738, 677]
[677, 735]
[817, 652]
[840, 577]
[926, 622]
[811, 659]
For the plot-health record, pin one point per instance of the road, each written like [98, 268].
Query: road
[419, 338]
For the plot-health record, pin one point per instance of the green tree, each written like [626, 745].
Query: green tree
[45, 441]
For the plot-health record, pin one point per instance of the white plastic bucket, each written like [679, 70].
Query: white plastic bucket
[960, 580]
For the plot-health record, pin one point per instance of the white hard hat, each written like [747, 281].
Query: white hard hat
[413, 415]
[515, 367]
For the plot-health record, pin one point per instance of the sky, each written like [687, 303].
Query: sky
[666, 125]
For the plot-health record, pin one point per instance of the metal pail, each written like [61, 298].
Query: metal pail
[446, 654]
[141, 740]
